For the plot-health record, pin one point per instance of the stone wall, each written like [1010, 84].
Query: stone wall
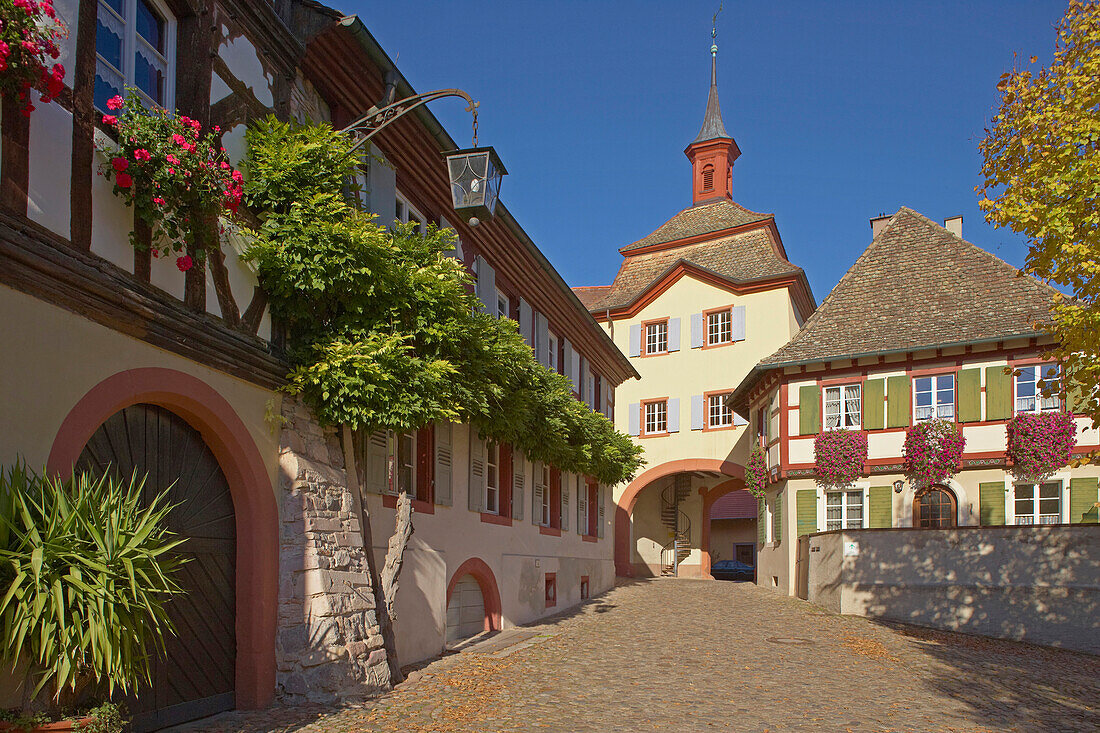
[328, 644]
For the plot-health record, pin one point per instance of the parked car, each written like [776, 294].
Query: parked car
[732, 570]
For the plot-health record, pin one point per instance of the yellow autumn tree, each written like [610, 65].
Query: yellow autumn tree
[1042, 179]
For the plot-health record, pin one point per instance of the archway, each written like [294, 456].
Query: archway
[256, 514]
[481, 574]
[935, 507]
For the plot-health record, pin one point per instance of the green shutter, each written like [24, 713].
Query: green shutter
[809, 410]
[970, 395]
[760, 518]
[880, 513]
[1075, 398]
[874, 393]
[777, 518]
[806, 511]
[1082, 500]
[998, 393]
[898, 395]
[991, 503]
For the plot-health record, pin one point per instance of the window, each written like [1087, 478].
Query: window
[403, 451]
[404, 213]
[492, 479]
[844, 509]
[503, 307]
[551, 590]
[762, 427]
[935, 397]
[134, 44]
[1029, 388]
[545, 521]
[719, 414]
[843, 408]
[553, 352]
[656, 417]
[584, 587]
[656, 337]
[719, 327]
[1039, 503]
[595, 396]
[934, 508]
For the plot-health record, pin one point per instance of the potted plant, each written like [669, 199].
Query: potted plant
[933, 452]
[756, 472]
[839, 457]
[29, 31]
[1039, 444]
[86, 573]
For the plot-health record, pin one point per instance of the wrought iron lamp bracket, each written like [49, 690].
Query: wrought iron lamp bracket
[377, 118]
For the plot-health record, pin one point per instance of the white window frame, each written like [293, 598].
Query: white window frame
[1061, 517]
[936, 392]
[863, 487]
[504, 305]
[724, 411]
[130, 43]
[844, 419]
[1039, 403]
[655, 334]
[492, 471]
[406, 212]
[394, 450]
[545, 509]
[553, 351]
[720, 327]
[769, 523]
[660, 417]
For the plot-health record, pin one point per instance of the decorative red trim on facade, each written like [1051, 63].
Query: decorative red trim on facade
[503, 521]
[490, 593]
[253, 499]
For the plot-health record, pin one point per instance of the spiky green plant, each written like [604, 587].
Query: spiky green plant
[86, 573]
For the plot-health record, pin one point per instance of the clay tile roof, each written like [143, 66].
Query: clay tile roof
[743, 257]
[591, 296]
[700, 219]
[734, 505]
[917, 286]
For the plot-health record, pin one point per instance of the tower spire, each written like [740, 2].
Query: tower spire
[713, 127]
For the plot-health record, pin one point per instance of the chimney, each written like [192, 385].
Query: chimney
[878, 223]
[954, 225]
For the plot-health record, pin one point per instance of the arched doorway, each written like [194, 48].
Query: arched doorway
[473, 601]
[195, 677]
[935, 507]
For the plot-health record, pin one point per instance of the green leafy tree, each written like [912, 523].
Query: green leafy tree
[1042, 179]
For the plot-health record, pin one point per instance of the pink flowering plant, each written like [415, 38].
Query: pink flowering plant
[933, 451]
[756, 472]
[29, 33]
[175, 175]
[839, 456]
[1040, 443]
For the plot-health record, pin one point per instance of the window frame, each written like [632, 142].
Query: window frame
[644, 432]
[1036, 515]
[555, 362]
[935, 392]
[504, 304]
[395, 440]
[725, 340]
[845, 506]
[645, 337]
[842, 402]
[544, 511]
[492, 461]
[1038, 393]
[406, 212]
[707, 422]
[130, 48]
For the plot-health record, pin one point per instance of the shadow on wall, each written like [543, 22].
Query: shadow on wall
[1036, 584]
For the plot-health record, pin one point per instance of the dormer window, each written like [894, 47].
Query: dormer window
[708, 178]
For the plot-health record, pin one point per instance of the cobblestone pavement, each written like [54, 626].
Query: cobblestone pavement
[692, 655]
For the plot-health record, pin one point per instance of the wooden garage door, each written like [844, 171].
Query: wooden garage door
[465, 610]
[196, 676]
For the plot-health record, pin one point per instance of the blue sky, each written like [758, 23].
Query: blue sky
[842, 110]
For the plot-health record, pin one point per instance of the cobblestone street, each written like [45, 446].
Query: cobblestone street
[699, 655]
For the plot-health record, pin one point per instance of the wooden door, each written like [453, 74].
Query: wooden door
[196, 676]
[465, 610]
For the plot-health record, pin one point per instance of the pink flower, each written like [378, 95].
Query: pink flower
[110, 120]
[184, 263]
[123, 180]
[171, 171]
[114, 102]
[158, 201]
[120, 164]
[172, 159]
[30, 46]
[178, 139]
[4, 50]
[142, 154]
[238, 176]
[217, 128]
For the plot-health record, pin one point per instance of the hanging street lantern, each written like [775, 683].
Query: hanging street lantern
[475, 175]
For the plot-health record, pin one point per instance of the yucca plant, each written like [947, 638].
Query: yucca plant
[86, 574]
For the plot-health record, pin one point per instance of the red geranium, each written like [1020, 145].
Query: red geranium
[184, 263]
[29, 32]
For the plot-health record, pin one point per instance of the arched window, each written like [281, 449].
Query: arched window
[934, 508]
[708, 178]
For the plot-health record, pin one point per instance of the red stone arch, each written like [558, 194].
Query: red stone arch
[253, 499]
[624, 505]
[490, 593]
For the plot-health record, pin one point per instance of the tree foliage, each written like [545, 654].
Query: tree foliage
[382, 329]
[1042, 179]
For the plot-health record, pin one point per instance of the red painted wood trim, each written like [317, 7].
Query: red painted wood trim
[389, 501]
[550, 531]
[503, 521]
[490, 592]
[589, 538]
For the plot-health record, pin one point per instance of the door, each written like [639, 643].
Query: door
[196, 675]
[465, 610]
[934, 508]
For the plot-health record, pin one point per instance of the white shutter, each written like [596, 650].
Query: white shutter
[738, 420]
[673, 334]
[634, 418]
[697, 333]
[537, 490]
[444, 460]
[475, 498]
[519, 483]
[526, 322]
[564, 495]
[599, 510]
[583, 381]
[582, 506]
[566, 356]
[377, 473]
[542, 339]
[738, 321]
[575, 371]
[674, 415]
[486, 285]
[698, 411]
[635, 340]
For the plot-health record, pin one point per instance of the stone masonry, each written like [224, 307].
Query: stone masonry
[328, 644]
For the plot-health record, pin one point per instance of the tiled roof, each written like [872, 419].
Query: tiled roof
[741, 257]
[734, 505]
[700, 219]
[916, 286]
[591, 296]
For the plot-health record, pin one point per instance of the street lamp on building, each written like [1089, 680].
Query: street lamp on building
[898, 486]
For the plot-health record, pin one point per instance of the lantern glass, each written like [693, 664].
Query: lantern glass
[475, 176]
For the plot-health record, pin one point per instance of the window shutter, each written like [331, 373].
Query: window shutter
[444, 459]
[519, 484]
[527, 322]
[697, 332]
[1082, 500]
[698, 411]
[634, 418]
[738, 420]
[575, 371]
[674, 415]
[738, 322]
[874, 404]
[425, 462]
[673, 334]
[635, 340]
[970, 395]
[899, 394]
[582, 505]
[600, 490]
[584, 382]
[777, 518]
[566, 356]
[537, 491]
[761, 517]
[806, 511]
[809, 410]
[998, 394]
[563, 496]
[486, 285]
[475, 498]
[377, 475]
[542, 339]
[880, 512]
[991, 503]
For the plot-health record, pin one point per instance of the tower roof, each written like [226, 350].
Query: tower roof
[713, 127]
